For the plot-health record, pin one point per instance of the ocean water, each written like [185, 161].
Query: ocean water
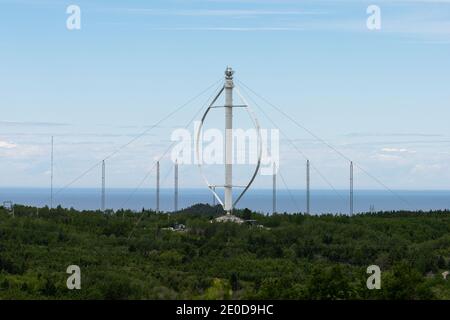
[322, 201]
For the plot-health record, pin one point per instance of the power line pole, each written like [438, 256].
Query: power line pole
[103, 186]
[274, 189]
[51, 178]
[176, 187]
[351, 187]
[157, 186]
[308, 192]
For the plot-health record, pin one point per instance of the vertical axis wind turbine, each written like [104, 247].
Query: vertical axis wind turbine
[228, 204]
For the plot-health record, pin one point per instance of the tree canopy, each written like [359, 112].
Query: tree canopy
[135, 255]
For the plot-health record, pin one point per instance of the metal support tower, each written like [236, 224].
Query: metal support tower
[351, 187]
[274, 188]
[103, 186]
[308, 190]
[229, 85]
[157, 187]
[176, 187]
[51, 178]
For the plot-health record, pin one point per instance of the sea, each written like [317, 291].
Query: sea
[260, 200]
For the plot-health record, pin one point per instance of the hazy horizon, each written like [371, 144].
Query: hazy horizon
[258, 200]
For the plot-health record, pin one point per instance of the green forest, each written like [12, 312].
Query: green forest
[136, 255]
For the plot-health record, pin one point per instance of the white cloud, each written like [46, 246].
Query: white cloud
[23, 152]
[388, 157]
[229, 29]
[427, 168]
[220, 12]
[31, 124]
[7, 145]
[397, 150]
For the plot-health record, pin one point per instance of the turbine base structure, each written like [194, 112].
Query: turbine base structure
[228, 217]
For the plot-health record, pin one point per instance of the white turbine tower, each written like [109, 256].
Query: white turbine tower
[228, 203]
[229, 85]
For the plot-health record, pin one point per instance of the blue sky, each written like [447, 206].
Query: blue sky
[381, 97]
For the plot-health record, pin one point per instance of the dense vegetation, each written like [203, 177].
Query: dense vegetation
[126, 255]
